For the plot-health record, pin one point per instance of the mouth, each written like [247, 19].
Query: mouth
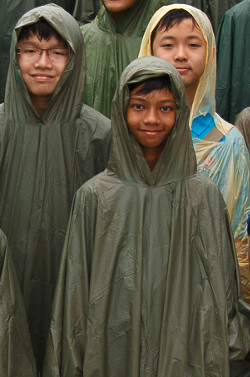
[182, 69]
[151, 132]
[42, 77]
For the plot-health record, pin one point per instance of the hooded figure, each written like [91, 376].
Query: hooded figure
[148, 284]
[110, 47]
[233, 56]
[16, 356]
[221, 155]
[43, 161]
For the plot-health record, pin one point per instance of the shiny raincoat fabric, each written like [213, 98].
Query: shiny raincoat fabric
[16, 356]
[43, 161]
[227, 162]
[148, 284]
[110, 48]
[214, 9]
[233, 56]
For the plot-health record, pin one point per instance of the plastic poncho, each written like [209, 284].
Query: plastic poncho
[110, 48]
[233, 56]
[42, 164]
[214, 9]
[86, 10]
[148, 284]
[11, 11]
[16, 356]
[226, 162]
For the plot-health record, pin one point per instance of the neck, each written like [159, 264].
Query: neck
[40, 104]
[190, 92]
[152, 155]
[117, 17]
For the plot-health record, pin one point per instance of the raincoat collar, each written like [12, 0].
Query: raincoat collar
[134, 21]
[177, 160]
[67, 99]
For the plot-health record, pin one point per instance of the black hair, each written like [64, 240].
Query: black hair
[151, 84]
[41, 29]
[173, 17]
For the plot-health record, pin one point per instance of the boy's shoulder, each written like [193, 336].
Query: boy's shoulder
[94, 117]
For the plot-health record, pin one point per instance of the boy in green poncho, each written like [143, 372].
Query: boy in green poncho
[112, 41]
[50, 144]
[148, 285]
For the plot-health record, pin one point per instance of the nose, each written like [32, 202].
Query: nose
[180, 53]
[151, 117]
[43, 60]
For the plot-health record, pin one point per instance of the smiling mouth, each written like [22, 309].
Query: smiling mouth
[151, 132]
[42, 77]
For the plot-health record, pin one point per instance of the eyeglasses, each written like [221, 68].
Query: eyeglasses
[55, 55]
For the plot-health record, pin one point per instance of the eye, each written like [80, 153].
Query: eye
[194, 45]
[167, 45]
[59, 52]
[166, 108]
[137, 106]
[29, 51]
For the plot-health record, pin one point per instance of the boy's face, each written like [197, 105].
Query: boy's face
[118, 6]
[184, 46]
[42, 72]
[150, 118]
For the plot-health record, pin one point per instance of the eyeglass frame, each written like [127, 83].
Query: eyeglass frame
[40, 50]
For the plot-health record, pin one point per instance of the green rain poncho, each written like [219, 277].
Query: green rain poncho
[42, 164]
[16, 356]
[148, 285]
[233, 62]
[110, 48]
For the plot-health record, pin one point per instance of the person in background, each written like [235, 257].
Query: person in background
[148, 283]
[16, 356]
[233, 56]
[182, 35]
[50, 144]
[242, 122]
[112, 41]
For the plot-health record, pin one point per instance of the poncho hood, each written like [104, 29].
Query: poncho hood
[204, 100]
[127, 161]
[67, 99]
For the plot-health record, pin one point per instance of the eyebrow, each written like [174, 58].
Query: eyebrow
[165, 37]
[34, 44]
[144, 100]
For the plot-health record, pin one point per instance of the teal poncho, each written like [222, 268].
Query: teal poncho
[149, 284]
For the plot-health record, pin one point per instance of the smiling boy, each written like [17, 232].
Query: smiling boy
[148, 282]
[50, 144]
[182, 35]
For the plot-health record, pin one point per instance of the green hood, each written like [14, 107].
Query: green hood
[42, 164]
[127, 160]
[148, 284]
[68, 96]
[110, 48]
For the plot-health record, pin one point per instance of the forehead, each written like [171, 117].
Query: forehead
[161, 94]
[186, 28]
[34, 39]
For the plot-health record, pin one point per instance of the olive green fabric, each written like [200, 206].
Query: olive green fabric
[233, 57]
[149, 284]
[111, 47]
[16, 356]
[42, 163]
[86, 10]
[11, 11]
[215, 9]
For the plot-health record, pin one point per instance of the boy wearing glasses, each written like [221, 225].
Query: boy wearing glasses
[50, 144]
